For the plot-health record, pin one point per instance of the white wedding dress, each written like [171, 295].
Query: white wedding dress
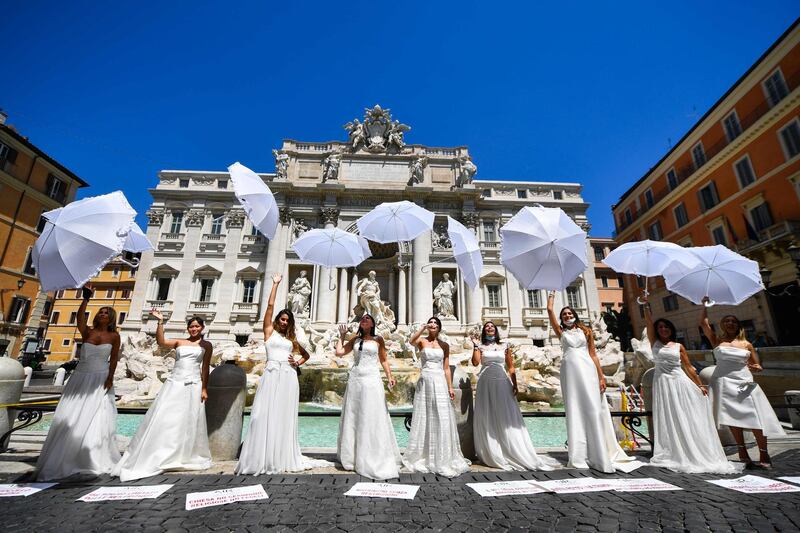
[367, 443]
[739, 401]
[173, 434]
[81, 435]
[686, 439]
[591, 440]
[501, 437]
[433, 444]
[272, 444]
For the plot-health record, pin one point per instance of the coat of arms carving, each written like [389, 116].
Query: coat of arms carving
[378, 133]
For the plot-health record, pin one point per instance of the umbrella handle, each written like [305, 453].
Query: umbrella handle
[331, 281]
[646, 293]
[710, 303]
[423, 267]
[133, 264]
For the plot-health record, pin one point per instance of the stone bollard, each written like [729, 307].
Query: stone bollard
[793, 398]
[58, 380]
[28, 375]
[647, 394]
[463, 407]
[12, 379]
[225, 411]
[725, 435]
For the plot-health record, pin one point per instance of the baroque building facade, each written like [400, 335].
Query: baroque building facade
[210, 261]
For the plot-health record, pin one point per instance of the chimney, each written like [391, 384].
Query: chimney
[3, 116]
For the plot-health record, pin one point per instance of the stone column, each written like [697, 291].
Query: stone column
[473, 298]
[182, 293]
[515, 302]
[401, 296]
[276, 255]
[353, 294]
[227, 292]
[392, 296]
[326, 303]
[343, 296]
[422, 291]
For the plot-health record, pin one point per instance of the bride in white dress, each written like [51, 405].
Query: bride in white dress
[686, 438]
[81, 435]
[173, 434]
[591, 441]
[367, 443]
[272, 444]
[433, 444]
[738, 401]
[501, 437]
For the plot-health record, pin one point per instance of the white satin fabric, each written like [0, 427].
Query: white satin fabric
[433, 444]
[173, 434]
[686, 438]
[81, 435]
[367, 443]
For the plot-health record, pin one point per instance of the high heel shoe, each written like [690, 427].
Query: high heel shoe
[745, 457]
[764, 464]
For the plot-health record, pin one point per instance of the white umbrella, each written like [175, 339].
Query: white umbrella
[720, 274]
[256, 198]
[332, 248]
[395, 222]
[466, 251]
[80, 238]
[543, 248]
[136, 241]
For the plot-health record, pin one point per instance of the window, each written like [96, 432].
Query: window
[718, 236]
[573, 297]
[522, 193]
[672, 179]
[59, 294]
[732, 126]
[177, 222]
[681, 218]
[762, 218]
[7, 154]
[126, 293]
[744, 171]
[115, 272]
[790, 138]
[122, 316]
[248, 291]
[48, 306]
[654, 231]
[775, 88]
[494, 295]
[206, 289]
[54, 317]
[708, 197]
[558, 195]
[488, 231]
[163, 289]
[254, 231]
[621, 281]
[628, 216]
[698, 155]
[65, 342]
[222, 184]
[534, 298]
[41, 224]
[216, 223]
[28, 268]
[670, 303]
[19, 309]
[183, 183]
[604, 281]
[486, 193]
[47, 344]
[648, 198]
[599, 253]
[55, 188]
[79, 294]
[109, 293]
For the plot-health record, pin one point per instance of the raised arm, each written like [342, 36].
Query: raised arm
[476, 352]
[112, 362]
[596, 361]
[385, 362]
[551, 314]
[83, 327]
[446, 364]
[512, 372]
[343, 348]
[690, 371]
[414, 340]
[652, 335]
[706, 325]
[204, 370]
[164, 343]
[267, 326]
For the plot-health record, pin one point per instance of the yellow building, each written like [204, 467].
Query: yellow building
[31, 182]
[112, 288]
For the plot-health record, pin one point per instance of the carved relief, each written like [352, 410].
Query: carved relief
[204, 180]
[155, 217]
[378, 133]
[417, 170]
[439, 238]
[195, 217]
[235, 218]
[284, 215]
[470, 220]
[330, 170]
[329, 215]
[505, 192]
[299, 227]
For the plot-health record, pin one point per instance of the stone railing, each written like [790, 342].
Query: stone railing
[499, 315]
[247, 310]
[171, 242]
[165, 306]
[212, 242]
[253, 243]
[531, 315]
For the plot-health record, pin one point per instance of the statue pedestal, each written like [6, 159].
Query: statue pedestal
[225, 411]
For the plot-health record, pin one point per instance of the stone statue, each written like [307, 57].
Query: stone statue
[439, 238]
[299, 295]
[466, 171]
[331, 167]
[369, 295]
[356, 134]
[281, 164]
[300, 227]
[443, 297]
[417, 170]
[378, 133]
[394, 137]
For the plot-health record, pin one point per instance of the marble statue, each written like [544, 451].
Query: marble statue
[300, 227]
[356, 133]
[440, 240]
[299, 294]
[331, 167]
[417, 170]
[369, 295]
[466, 171]
[281, 164]
[378, 133]
[394, 136]
[443, 297]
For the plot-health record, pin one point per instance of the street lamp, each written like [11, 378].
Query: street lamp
[21, 281]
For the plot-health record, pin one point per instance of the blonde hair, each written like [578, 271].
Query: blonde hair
[741, 335]
[112, 319]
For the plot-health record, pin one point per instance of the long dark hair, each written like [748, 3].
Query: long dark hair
[360, 333]
[496, 333]
[586, 331]
[673, 336]
[438, 323]
[290, 332]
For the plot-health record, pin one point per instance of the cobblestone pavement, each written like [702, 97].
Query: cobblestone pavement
[316, 503]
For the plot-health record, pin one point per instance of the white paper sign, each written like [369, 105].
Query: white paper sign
[754, 484]
[628, 466]
[198, 500]
[22, 489]
[791, 479]
[580, 484]
[506, 488]
[383, 490]
[642, 484]
[139, 492]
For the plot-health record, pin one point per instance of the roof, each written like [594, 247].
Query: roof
[702, 119]
[38, 151]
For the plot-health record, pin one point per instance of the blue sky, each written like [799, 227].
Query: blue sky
[564, 91]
